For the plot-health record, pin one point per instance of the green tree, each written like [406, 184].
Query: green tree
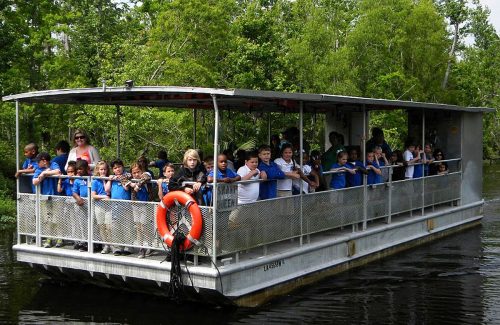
[317, 59]
[457, 13]
[476, 76]
[255, 58]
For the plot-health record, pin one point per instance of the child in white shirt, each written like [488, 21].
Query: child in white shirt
[249, 192]
[408, 157]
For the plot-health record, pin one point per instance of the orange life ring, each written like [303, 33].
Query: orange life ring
[162, 225]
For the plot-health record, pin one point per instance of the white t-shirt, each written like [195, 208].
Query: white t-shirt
[407, 156]
[286, 183]
[249, 192]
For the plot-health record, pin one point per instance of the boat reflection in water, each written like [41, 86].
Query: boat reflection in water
[275, 245]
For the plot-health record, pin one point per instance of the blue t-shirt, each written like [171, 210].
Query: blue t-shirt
[338, 179]
[48, 186]
[269, 188]
[355, 179]
[80, 187]
[118, 192]
[373, 178]
[227, 173]
[30, 163]
[142, 195]
[418, 171]
[98, 187]
[67, 188]
[164, 188]
[61, 162]
[207, 191]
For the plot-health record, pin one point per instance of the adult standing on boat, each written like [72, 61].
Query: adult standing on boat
[438, 155]
[83, 149]
[378, 140]
[330, 156]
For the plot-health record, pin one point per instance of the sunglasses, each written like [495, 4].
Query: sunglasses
[79, 137]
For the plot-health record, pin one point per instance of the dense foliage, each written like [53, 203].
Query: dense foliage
[398, 49]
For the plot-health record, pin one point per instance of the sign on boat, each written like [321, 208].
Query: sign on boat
[277, 244]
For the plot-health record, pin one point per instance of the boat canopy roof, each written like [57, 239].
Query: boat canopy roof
[227, 99]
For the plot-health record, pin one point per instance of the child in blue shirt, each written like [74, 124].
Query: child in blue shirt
[339, 179]
[65, 186]
[140, 193]
[102, 211]
[47, 187]
[224, 175]
[168, 172]
[355, 179]
[269, 188]
[373, 168]
[418, 170]
[29, 165]
[382, 161]
[81, 191]
[120, 190]
[44, 169]
[62, 149]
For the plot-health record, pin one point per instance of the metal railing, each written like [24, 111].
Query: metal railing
[238, 227]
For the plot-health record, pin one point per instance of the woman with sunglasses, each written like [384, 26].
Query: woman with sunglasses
[438, 156]
[83, 150]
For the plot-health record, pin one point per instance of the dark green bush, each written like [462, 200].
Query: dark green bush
[7, 213]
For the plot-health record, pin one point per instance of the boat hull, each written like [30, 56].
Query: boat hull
[256, 277]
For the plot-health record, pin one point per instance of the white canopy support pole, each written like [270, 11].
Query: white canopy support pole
[365, 178]
[118, 125]
[423, 166]
[214, 192]
[17, 166]
[301, 155]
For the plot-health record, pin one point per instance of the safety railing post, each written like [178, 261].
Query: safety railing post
[365, 178]
[301, 155]
[423, 163]
[38, 237]
[389, 199]
[365, 201]
[90, 227]
[17, 166]
[215, 187]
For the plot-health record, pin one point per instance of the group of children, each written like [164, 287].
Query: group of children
[349, 170]
[413, 163]
[121, 185]
[260, 178]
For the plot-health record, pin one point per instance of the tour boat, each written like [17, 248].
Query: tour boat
[279, 244]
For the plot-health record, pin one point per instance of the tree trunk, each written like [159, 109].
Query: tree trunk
[452, 54]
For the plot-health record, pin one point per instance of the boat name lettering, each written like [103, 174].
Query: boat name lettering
[273, 265]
